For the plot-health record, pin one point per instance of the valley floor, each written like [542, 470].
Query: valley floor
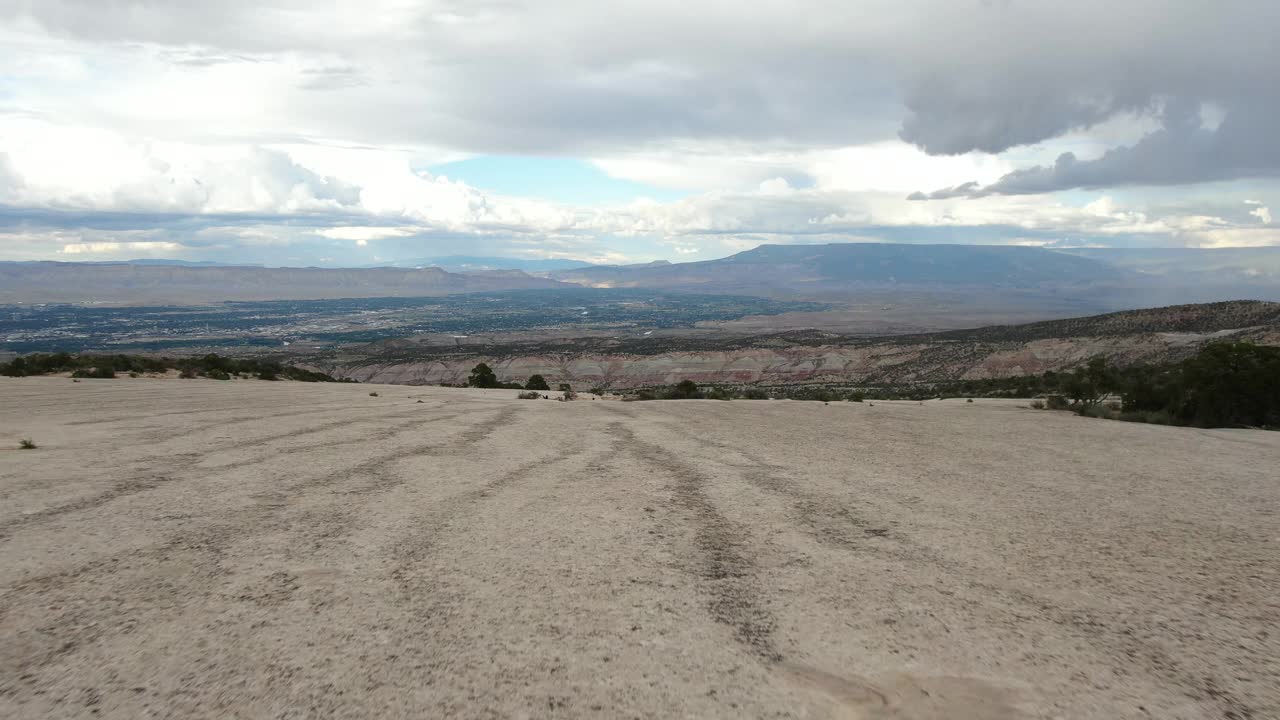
[252, 549]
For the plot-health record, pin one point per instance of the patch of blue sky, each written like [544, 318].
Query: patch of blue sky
[570, 181]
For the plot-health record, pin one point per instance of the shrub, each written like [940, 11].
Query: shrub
[1230, 384]
[106, 366]
[684, 390]
[105, 372]
[969, 400]
[527, 395]
[537, 382]
[373, 394]
[1037, 404]
[857, 396]
[719, 393]
[27, 444]
[1056, 402]
[482, 376]
[216, 374]
[1094, 411]
[1151, 417]
[568, 395]
[15, 368]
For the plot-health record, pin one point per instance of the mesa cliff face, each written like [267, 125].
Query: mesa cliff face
[1146, 336]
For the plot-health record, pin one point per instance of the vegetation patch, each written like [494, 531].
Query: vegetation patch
[1224, 385]
[107, 366]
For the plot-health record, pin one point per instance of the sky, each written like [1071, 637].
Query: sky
[329, 132]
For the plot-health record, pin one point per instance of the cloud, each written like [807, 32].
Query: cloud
[1182, 151]
[363, 234]
[107, 248]
[704, 225]
[294, 119]
[969, 189]
[1017, 73]
[949, 77]
[58, 167]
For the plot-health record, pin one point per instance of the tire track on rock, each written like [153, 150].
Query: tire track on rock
[329, 406]
[837, 526]
[414, 549]
[137, 485]
[727, 574]
[196, 557]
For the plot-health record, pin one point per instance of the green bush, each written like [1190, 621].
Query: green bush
[105, 366]
[537, 382]
[105, 372]
[482, 376]
[1152, 417]
[1229, 385]
[684, 390]
[529, 395]
[27, 444]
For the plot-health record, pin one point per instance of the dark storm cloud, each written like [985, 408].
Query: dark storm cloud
[1182, 151]
[966, 190]
[1040, 70]
[950, 76]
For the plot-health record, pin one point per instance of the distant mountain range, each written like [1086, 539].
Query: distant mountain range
[470, 263]
[1261, 264]
[1090, 279]
[840, 267]
[52, 282]
[141, 261]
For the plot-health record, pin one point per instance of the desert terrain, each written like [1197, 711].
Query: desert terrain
[287, 550]
[1135, 337]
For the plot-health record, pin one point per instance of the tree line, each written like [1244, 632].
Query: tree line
[212, 366]
[1224, 385]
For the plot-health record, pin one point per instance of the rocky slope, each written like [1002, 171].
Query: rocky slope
[1143, 336]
